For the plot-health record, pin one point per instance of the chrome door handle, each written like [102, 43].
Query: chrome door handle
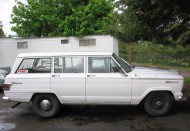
[55, 75]
[90, 75]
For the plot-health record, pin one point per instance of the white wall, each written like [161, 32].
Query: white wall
[9, 51]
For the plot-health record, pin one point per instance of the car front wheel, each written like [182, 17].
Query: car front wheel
[46, 105]
[158, 103]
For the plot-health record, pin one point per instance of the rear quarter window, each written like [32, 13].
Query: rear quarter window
[35, 65]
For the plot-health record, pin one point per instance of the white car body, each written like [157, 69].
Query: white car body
[121, 88]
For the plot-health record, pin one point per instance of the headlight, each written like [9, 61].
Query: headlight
[2, 76]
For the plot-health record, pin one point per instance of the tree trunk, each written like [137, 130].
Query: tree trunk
[129, 53]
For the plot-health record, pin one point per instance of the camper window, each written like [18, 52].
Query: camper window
[22, 45]
[87, 42]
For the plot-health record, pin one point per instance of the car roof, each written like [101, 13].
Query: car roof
[46, 54]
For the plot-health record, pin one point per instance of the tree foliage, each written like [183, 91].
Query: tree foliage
[161, 21]
[1, 30]
[61, 17]
[124, 27]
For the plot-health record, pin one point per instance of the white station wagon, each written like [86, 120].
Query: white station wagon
[86, 78]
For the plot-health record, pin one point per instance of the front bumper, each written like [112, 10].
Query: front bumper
[6, 99]
[182, 98]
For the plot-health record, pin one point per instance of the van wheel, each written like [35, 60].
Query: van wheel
[46, 105]
[158, 103]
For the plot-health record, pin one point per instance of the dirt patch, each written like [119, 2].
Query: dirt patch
[186, 86]
[186, 91]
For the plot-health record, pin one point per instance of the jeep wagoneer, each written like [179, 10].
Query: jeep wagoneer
[84, 78]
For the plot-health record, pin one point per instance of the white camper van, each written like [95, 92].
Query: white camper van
[84, 78]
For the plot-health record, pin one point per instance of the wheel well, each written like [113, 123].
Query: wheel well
[169, 92]
[35, 94]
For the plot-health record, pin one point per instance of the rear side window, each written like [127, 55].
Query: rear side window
[35, 65]
[69, 65]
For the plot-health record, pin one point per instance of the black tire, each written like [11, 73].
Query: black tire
[158, 103]
[51, 110]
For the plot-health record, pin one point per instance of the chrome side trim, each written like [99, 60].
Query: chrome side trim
[172, 81]
[16, 83]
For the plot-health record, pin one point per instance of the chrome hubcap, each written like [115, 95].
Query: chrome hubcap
[158, 103]
[45, 105]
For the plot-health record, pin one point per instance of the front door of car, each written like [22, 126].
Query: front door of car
[105, 83]
[68, 78]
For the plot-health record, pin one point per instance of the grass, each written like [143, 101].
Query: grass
[187, 80]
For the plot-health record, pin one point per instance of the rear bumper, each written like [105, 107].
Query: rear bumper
[6, 99]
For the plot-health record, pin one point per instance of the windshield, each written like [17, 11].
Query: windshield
[126, 66]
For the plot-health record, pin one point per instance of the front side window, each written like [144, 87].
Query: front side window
[35, 65]
[68, 65]
[102, 65]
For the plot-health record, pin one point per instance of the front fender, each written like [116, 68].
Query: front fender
[136, 99]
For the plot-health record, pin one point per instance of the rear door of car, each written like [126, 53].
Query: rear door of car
[68, 78]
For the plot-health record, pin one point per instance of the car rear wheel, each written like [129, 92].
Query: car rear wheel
[158, 103]
[46, 105]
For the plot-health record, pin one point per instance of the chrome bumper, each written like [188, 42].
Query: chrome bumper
[6, 99]
[182, 98]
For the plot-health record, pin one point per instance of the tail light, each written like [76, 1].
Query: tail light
[7, 86]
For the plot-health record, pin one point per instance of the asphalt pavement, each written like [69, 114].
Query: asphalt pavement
[94, 118]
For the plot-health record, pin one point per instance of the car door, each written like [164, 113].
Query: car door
[105, 83]
[68, 78]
